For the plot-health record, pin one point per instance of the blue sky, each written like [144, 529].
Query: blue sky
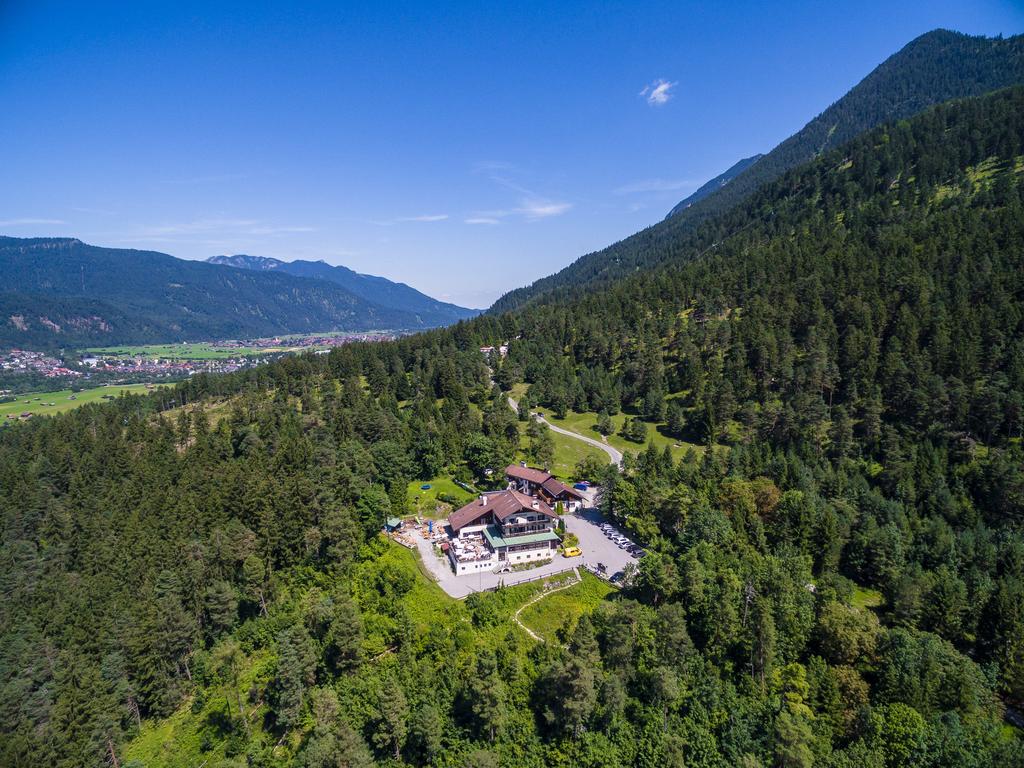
[465, 149]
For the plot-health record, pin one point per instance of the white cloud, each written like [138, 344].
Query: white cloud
[530, 209]
[214, 226]
[532, 206]
[425, 217]
[29, 222]
[542, 209]
[655, 185]
[657, 93]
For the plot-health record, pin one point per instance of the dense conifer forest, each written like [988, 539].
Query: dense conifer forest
[934, 68]
[835, 579]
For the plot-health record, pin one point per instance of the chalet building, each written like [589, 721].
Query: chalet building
[499, 528]
[543, 485]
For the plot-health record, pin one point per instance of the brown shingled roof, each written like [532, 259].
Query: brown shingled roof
[556, 488]
[534, 475]
[501, 504]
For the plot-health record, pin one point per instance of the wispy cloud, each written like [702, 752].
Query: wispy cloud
[214, 226]
[658, 92]
[425, 217]
[530, 209]
[542, 209]
[531, 205]
[655, 185]
[209, 179]
[29, 222]
[489, 166]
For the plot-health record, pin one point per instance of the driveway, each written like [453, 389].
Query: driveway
[613, 453]
[597, 548]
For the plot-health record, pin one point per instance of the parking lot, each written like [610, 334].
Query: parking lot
[585, 524]
[597, 548]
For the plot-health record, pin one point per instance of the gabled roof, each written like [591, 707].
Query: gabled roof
[534, 475]
[556, 488]
[501, 504]
[545, 480]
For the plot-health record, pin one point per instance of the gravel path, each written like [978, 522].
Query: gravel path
[541, 596]
[614, 454]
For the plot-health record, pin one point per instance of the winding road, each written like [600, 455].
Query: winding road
[613, 454]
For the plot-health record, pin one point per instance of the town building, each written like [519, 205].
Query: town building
[543, 485]
[499, 529]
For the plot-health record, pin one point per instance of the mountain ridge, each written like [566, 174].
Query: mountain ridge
[935, 67]
[379, 290]
[709, 187]
[64, 292]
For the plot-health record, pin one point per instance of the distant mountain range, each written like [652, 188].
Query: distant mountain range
[936, 67]
[715, 184]
[63, 292]
[378, 290]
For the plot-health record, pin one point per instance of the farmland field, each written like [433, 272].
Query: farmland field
[199, 351]
[39, 403]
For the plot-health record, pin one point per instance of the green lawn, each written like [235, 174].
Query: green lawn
[568, 452]
[584, 423]
[548, 615]
[39, 403]
[425, 502]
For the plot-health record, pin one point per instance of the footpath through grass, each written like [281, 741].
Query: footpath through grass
[561, 609]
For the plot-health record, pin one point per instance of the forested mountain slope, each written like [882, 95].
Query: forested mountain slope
[836, 580]
[378, 290]
[714, 185]
[936, 67]
[63, 292]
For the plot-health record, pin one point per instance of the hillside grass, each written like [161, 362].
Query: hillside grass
[39, 403]
[568, 453]
[584, 424]
[561, 609]
[192, 734]
[215, 411]
[426, 502]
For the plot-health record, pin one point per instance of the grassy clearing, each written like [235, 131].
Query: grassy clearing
[426, 502]
[39, 403]
[215, 411]
[568, 453]
[864, 597]
[584, 424]
[548, 615]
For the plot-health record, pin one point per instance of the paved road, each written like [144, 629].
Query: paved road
[614, 455]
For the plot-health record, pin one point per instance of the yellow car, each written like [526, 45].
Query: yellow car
[572, 552]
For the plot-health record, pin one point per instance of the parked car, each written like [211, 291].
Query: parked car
[573, 552]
